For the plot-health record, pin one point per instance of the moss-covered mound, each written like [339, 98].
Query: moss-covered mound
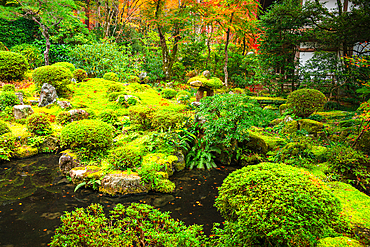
[306, 101]
[277, 203]
[89, 134]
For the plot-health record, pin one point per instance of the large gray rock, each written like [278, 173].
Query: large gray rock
[67, 161]
[22, 111]
[123, 183]
[48, 95]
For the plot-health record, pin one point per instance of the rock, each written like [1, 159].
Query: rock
[200, 93]
[311, 126]
[364, 142]
[163, 200]
[169, 85]
[196, 83]
[77, 174]
[290, 127]
[48, 95]
[81, 174]
[123, 183]
[22, 111]
[255, 143]
[275, 122]
[179, 165]
[25, 152]
[288, 119]
[78, 114]
[20, 97]
[64, 104]
[50, 144]
[142, 76]
[206, 74]
[33, 102]
[67, 161]
[127, 97]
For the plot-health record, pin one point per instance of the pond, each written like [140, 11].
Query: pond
[34, 194]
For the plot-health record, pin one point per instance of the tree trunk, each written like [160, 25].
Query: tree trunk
[45, 33]
[226, 83]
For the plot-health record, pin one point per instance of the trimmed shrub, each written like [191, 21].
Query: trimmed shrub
[306, 101]
[114, 87]
[126, 226]
[127, 156]
[110, 76]
[79, 75]
[165, 119]
[3, 128]
[12, 66]
[66, 65]
[8, 88]
[277, 204]
[8, 99]
[88, 134]
[168, 93]
[7, 146]
[108, 116]
[39, 124]
[57, 76]
[32, 54]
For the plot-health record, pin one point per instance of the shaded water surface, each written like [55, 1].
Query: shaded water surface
[33, 196]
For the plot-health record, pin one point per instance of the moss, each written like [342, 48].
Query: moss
[290, 127]
[25, 152]
[4, 128]
[363, 143]
[164, 160]
[165, 186]
[311, 126]
[270, 100]
[355, 204]
[212, 82]
[339, 242]
[332, 114]
[272, 141]
[271, 107]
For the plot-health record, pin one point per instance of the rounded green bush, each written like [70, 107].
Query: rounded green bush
[79, 75]
[114, 87]
[8, 99]
[110, 76]
[12, 66]
[8, 88]
[66, 65]
[278, 204]
[168, 93]
[32, 54]
[108, 116]
[127, 156]
[89, 134]
[306, 101]
[3, 128]
[39, 124]
[57, 76]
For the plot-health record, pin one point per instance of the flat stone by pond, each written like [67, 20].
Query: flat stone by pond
[34, 194]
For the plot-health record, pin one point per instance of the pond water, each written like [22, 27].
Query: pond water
[33, 196]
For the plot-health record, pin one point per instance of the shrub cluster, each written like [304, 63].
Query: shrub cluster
[3, 128]
[127, 156]
[306, 101]
[168, 93]
[277, 203]
[8, 88]
[66, 65]
[39, 124]
[108, 116]
[12, 66]
[79, 75]
[88, 134]
[110, 76]
[31, 53]
[8, 99]
[135, 225]
[56, 76]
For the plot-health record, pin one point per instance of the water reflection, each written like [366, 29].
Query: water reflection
[33, 195]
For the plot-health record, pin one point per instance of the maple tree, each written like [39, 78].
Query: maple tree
[48, 14]
[235, 21]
